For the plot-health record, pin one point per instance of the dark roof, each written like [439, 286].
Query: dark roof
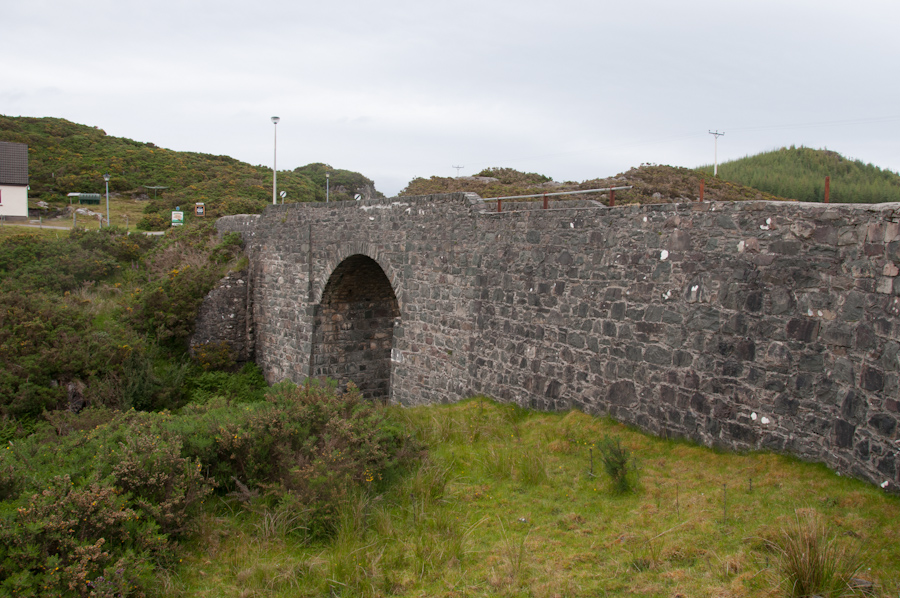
[13, 163]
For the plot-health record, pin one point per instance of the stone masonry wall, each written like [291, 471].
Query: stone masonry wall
[743, 325]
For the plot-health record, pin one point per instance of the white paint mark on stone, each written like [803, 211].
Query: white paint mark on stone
[809, 312]
[819, 313]
[885, 483]
[371, 217]
[765, 420]
[753, 416]
[741, 247]
[663, 255]
[667, 294]
[571, 225]
[645, 219]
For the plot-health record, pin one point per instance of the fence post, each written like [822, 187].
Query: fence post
[702, 185]
[612, 197]
[827, 188]
[499, 205]
[545, 200]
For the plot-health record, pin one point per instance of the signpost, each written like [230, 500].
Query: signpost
[199, 209]
[177, 216]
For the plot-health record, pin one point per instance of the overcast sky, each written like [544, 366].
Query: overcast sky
[398, 89]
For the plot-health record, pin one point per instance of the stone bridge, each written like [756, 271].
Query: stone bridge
[752, 325]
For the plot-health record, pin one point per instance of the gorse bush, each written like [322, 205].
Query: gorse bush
[92, 503]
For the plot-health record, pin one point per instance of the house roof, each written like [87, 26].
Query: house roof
[13, 163]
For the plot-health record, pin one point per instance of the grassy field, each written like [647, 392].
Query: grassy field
[516, 503]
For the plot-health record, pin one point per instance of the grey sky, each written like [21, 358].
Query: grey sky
[398, 89]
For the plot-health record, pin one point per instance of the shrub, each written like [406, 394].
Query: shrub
[168, 309]
[46, 343]
[310, 442]
[619, 464]
[216, 355]
[153, 222]
[76, 539]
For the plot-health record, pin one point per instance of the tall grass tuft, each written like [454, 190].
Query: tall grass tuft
[531, 469]
[812, 563]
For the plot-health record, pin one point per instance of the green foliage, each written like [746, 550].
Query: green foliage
[619, 464]
[167, 309]
[188, 263]
[810, 562]
[74, 309]
[94, 510]
[67, 157]
[246, 386]
[308, 443]
[799, 173]
[511, 176]
[47, 342]
[153, 221]
[343, 184]
[94, 502]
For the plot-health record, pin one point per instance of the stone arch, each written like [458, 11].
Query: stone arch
[354, 327]
[345, 251]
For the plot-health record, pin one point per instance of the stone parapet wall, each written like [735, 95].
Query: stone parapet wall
[752, 325]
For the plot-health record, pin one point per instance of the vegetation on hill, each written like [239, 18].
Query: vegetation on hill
[799, 173]
[66, 157]
[650, 183]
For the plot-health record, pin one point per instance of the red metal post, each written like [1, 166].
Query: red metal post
[499, 205]
[612, 197]
[827, 188]
[702, 185]
[545, 201]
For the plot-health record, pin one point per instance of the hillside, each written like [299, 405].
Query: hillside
[66, 157]
[651, 184]
[799, 173]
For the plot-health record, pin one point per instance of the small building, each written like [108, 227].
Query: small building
[13, 180]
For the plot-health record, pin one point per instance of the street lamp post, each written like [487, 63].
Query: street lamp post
[106, 178]
[327, 189]
[275, 120]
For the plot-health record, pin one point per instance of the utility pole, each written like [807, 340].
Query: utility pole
[716, 152]
[458, 168]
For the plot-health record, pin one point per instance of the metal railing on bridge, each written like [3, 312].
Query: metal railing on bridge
[611, 190]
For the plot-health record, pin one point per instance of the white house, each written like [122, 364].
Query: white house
[13, 180]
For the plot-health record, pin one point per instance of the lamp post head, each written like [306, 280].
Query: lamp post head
[106, 177]
[275, 119]
[327, 175]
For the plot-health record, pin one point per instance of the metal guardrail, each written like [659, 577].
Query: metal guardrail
[612, 195]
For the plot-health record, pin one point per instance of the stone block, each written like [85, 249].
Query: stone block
[802, 329]
[843, 433]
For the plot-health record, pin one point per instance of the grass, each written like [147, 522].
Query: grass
[122, 211]
[505, 506]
